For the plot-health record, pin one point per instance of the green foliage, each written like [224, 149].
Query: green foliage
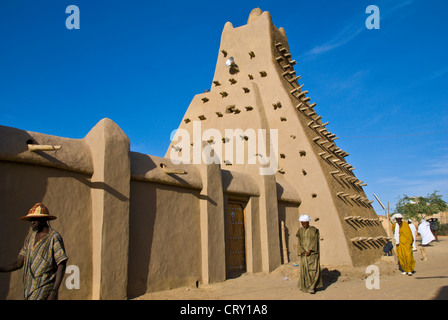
[418, 208]
[443, 230]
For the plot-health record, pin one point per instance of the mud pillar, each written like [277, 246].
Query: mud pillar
[110, 187]
[269, 225]
[212, 224]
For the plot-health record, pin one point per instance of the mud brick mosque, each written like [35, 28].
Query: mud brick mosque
[135, 223]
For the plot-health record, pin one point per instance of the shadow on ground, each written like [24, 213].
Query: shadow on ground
[442, 294]
[329, 277]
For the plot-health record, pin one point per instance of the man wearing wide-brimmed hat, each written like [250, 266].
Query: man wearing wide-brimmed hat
[42, 256]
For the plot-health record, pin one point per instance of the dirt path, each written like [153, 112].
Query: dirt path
[429, 282]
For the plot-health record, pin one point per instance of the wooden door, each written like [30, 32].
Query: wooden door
[236, 240]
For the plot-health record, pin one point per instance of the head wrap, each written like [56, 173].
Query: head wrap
[304, 218]
[397, 215]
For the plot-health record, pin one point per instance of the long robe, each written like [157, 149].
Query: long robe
[404, 247]
[425, 231]
[310, 273]
[41, 261]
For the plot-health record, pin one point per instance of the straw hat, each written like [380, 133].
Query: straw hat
[38, 211]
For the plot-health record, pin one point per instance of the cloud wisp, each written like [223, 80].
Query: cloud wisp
[346, 35]
[350, 32]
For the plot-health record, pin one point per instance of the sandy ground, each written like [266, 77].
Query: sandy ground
[430, 281]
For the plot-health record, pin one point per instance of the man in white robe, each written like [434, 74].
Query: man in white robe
[425, 232]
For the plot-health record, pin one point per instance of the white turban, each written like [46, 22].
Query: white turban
[304, 218]
[397, 215]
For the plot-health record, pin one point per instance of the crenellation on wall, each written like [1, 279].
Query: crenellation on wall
[74, 155]
[161, 170]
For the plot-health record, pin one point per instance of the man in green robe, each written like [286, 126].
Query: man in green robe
[309, 253]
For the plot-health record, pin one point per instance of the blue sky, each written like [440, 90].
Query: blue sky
[140, 63]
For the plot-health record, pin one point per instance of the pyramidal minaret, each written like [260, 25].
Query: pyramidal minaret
[259, 118]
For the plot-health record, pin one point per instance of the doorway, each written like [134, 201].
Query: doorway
[235, 240]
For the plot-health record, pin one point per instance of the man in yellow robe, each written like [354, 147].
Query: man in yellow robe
[403, 240]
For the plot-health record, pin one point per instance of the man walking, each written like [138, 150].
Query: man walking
[425, 232]
[403, 240]
[309, 252]
[42, 256]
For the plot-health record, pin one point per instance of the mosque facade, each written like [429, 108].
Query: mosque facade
[249, 157]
